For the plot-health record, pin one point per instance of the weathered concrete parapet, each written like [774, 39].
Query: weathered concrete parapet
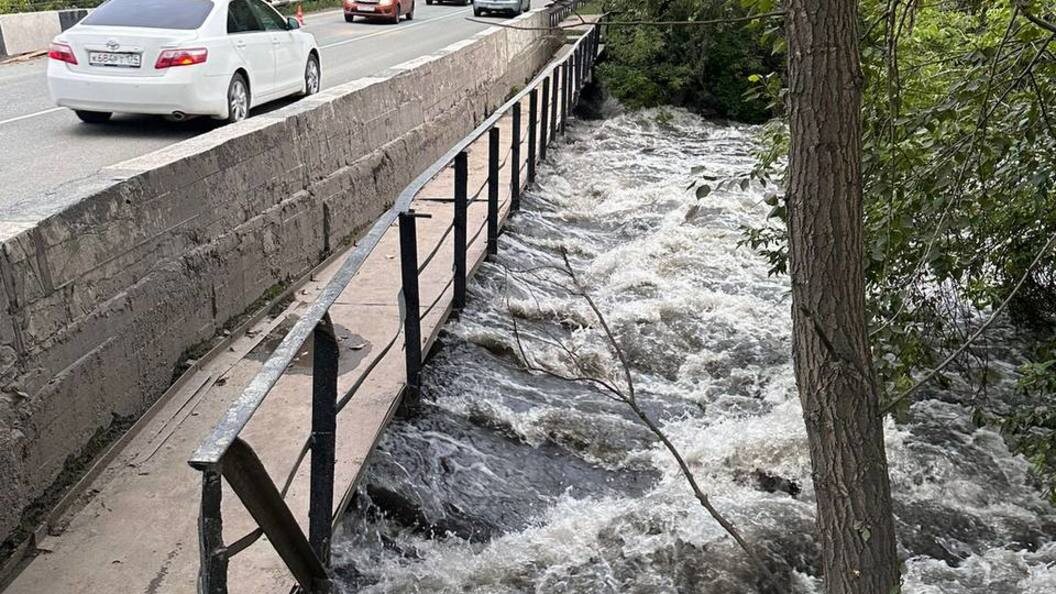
[25, 32]
[109, 280]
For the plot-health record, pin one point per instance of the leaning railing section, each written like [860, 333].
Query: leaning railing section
[224, 455]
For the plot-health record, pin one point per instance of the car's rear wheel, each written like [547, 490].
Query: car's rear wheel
[93, 117]
[312, 76]
[429, 2]
[349, 18]
[410, 15]
[237, 99]
[477, 12]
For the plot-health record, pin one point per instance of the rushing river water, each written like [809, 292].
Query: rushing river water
[509, 481]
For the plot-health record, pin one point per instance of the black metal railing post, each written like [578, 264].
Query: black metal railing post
[596, 46]
[573, 64]
[544, 120]
[515, 154]
[581, 62]
[324, 427]
[458, 301]
[412, 321]
[212, 570]
[556, 75]
[493, 190]
[566, 95]
[577, 67]
[533, 122]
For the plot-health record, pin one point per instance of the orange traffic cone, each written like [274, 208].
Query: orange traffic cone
[300, 15]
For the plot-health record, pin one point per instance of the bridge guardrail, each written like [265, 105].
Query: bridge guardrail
[559, 10]
[225, 456]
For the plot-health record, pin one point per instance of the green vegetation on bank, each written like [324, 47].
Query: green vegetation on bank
[704, 68]
[959, 167]
[13, 6]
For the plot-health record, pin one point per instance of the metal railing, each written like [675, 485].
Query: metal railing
[224, 455]
[559, 10]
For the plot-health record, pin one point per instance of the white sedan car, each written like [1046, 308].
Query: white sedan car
[180, 58]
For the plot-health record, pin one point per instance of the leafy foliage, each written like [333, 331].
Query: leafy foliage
[704, 68]
[959, 167]
[12, 6]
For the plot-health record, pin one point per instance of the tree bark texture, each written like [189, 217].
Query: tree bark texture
[832, 360]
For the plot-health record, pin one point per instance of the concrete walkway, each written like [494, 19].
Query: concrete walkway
[134, 527]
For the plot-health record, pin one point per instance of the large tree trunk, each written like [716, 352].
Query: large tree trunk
[832, 361]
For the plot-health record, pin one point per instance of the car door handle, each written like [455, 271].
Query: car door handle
[240, 44]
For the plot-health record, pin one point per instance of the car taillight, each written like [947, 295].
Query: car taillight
[62, 53]
[181, 57]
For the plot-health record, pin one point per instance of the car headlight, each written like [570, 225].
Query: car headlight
[385, 2]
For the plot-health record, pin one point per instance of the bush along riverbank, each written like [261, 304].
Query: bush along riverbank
[710, 69]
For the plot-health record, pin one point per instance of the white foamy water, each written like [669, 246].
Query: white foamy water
[513, 482]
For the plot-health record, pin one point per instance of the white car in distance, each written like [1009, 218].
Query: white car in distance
[180, 58]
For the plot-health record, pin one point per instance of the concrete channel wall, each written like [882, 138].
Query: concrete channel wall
[101, 300]
[26, 32]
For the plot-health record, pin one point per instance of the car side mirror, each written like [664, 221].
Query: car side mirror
[292, 23]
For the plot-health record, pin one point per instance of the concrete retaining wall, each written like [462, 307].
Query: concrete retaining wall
[99, 299]
[33, 31]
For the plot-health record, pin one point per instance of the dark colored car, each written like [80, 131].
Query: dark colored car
[389, 10]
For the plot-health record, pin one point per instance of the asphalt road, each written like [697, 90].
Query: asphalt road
[42, 147]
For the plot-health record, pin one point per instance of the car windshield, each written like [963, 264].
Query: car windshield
[154, 14]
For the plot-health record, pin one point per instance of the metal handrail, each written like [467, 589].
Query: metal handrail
[225, 455]
[238, 415]
[560, 10]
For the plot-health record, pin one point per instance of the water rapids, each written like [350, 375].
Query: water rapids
[509, 481]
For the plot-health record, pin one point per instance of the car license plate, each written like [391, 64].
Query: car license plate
[364, 8]
[115, 59]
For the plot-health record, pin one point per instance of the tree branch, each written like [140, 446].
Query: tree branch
[629, 398]
[979, 331]
[1024, 7]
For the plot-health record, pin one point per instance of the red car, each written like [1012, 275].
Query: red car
[390, 10]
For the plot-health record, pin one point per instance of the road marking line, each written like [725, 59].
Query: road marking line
[394, 30]
[31, 115]
[322, 47]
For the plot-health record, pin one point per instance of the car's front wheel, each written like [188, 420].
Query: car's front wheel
[312, 76]
[93, 117]
[237, 99]
[349, 18]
